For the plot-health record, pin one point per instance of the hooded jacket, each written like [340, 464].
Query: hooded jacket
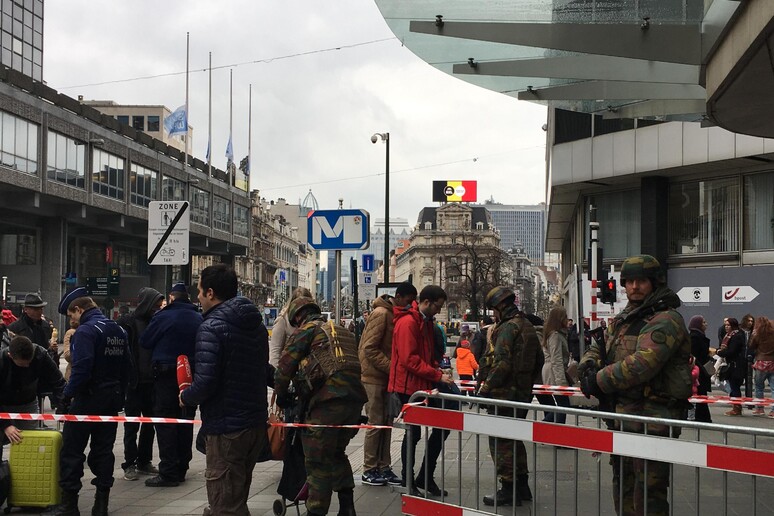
[376, 343]
[135, 324]
[412, 365]
[232, 353]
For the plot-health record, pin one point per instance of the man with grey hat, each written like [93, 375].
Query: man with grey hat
[33, 325]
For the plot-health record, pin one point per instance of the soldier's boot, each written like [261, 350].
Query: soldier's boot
[68, 507]
[522, 488]
[503, 496]
[347, 503]
[101, 500]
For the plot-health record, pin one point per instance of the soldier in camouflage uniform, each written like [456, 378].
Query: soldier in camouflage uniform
[321, 360]
[512, 361]
[644, 371]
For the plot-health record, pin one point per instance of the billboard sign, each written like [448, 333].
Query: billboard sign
[454, 191]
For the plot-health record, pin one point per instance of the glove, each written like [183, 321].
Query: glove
[589, 386]
[64, 406]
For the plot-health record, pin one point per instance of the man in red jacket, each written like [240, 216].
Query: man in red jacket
[375, 351]
[412, 365]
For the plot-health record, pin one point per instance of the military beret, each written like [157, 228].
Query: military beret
[179, 287]
[70, 297]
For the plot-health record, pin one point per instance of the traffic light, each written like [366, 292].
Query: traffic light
[609, 291]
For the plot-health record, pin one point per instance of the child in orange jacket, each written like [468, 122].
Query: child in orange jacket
[466, 361]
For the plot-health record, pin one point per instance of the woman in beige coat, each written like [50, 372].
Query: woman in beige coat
[557, 355]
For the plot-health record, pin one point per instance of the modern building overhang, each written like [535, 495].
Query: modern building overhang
[619, 59]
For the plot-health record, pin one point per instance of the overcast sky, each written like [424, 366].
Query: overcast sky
[314, 109]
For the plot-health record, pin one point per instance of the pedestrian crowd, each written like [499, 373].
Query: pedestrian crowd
[647, 362]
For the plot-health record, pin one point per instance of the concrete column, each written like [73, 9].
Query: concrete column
[654, 203]
[53, 239]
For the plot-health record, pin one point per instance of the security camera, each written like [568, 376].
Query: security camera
[374, 139]
[545, 127]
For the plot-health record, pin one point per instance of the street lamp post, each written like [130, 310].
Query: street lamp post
[385, 137]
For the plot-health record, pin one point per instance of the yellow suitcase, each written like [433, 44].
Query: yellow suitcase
[34, 465]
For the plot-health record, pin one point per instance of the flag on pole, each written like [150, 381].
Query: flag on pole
[207, 157]
[230, 151]
[177, 122]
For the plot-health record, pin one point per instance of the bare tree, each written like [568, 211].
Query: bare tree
[473, 267]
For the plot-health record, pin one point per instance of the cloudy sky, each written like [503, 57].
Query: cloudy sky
[325, 76]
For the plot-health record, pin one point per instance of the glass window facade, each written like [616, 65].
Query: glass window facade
[123, 119]
[759, 211]
[241, 220]
[19, 143]
[200, 206]
[153, 123]
[704, 217]
[172, 189]
[107, 176]
[66, 160]
[18, 246]
[21, 28]
[142, 185]
[618, 214]
[221, 213]
[138, 122]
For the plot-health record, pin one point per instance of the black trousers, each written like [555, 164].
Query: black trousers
[175, 440]
[139, 402]
[100, 437]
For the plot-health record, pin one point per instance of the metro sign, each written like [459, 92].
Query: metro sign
[338, 229]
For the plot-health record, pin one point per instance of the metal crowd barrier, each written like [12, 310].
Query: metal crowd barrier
[713, 468]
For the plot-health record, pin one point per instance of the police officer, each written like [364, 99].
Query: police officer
[512, 361]
[645, 371]
[322, 361]
[100, 360]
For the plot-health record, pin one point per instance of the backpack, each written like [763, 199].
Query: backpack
[335, 353]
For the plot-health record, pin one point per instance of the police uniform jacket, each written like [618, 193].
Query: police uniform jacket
[100, 356]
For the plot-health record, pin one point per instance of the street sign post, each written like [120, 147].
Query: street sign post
[169, 223]
[368, 263]
[338, 229]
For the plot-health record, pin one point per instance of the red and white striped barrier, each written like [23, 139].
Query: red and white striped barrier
[416, 506]
[687, 453]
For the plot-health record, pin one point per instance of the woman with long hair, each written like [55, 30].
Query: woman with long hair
[732, 349]
[282, 328]
[762, 342]
[700, 345]
[557, 356]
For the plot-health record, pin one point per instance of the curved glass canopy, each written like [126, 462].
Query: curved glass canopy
[621, 58]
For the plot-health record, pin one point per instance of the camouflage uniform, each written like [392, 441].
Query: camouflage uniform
[512, 361]
[645, 368]
[336, 400]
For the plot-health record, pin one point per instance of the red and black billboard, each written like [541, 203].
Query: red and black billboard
[454, 191]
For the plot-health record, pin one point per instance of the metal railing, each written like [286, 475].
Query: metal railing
[713, 468]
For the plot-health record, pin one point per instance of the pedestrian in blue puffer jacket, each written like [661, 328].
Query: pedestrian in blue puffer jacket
[229, 385]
